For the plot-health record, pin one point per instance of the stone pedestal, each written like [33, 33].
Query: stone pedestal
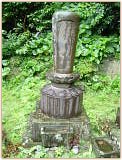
[51, 132]
[61, 102]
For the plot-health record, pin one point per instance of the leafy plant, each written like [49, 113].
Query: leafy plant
[106, 83]
[5, 71]
[59, 152]
[35, 152]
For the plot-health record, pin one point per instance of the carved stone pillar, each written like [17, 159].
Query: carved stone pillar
[61, 99]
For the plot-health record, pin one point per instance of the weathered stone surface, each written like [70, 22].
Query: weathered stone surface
[62, 78]
[110, 67]
[51, 132]
[61, 102]
[104, 147]
[65, 26]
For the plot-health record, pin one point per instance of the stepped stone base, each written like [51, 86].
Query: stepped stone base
[51, 132]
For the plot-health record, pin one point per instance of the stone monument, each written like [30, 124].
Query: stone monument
[60, 118]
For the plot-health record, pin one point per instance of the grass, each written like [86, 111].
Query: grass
[100, 106]
[17, 103]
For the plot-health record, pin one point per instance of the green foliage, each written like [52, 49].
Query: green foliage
[40, 20]
[33, 152]
[96, 48]
[59, 152]
[110, 23]
[37, 46]
[5, 71]
[12, 42]
[106, 83]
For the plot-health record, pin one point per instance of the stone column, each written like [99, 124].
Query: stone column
[61, 99]
[65, 27]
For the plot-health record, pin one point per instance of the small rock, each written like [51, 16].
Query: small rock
[53, 148]
[75, 149]
[47, 149]
[59, 137]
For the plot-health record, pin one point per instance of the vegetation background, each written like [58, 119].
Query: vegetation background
[27, 56]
